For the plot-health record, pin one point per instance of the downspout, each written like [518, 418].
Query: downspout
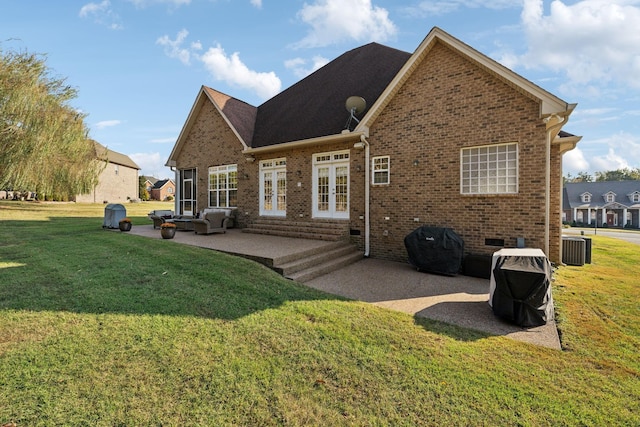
[367, 223]
[547, 197]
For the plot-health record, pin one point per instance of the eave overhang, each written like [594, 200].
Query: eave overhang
[321, 140]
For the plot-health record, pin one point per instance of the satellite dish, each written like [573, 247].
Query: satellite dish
[355, 104]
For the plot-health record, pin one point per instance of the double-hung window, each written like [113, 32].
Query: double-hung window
[223, 186]
[380, 170]
[489, 169]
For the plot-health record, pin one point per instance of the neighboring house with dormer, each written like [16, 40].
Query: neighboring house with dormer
[605, 203]
[163, 189]
[118, 181]
[448, 137]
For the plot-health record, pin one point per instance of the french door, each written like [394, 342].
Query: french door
[331, 185]
[273, 187]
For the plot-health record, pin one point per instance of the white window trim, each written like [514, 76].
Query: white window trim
[273, 167]
[586, 198]
[380, 171]
[478, 177]
[610, 197]
[222, 170]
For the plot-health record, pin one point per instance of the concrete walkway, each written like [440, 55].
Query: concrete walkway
[459, 300]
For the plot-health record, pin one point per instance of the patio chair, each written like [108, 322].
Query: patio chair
[158, 220]
[212, 222]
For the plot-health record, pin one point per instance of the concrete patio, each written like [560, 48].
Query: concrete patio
[459, 300]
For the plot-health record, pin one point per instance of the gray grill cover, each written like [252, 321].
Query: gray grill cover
[522, 291]
[435, 250]
[113, 213]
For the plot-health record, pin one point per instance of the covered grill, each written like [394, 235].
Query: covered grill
[435, 250]
[520, 287]
[113, 213]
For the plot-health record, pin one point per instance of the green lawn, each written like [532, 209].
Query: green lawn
[103, 328]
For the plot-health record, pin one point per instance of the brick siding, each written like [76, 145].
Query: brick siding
[446, 104]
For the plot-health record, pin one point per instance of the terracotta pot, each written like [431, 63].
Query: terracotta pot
[124, 226]
[167, 233]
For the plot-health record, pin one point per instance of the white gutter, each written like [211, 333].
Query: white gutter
[340, 137]
[367, 223]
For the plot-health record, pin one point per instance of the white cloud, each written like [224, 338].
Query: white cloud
[573, 162]
[152, 164]
[334, 21]
[595, 43]
[107, 124]
[443, 7]
[174, 49]
[257, 3]
[223, 67]
[623, 152]
[299, 65]
[230, 69]
[102, 14]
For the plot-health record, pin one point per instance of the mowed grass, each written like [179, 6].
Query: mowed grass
[103, 328]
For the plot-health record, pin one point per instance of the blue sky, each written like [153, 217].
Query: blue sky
[139, 64]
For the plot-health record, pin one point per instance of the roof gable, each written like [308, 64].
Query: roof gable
[550, 105]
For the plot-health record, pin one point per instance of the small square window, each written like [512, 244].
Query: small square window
[380, 170]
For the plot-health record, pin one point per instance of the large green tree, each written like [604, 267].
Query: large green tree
[624, 174]
[44, 145]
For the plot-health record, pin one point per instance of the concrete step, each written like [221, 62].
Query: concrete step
[317, 229]
[309, 260]
[296, 234]
[326, 267]
[308, 253]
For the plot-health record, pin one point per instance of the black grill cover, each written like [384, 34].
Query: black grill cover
[522, 294]
[435, 250]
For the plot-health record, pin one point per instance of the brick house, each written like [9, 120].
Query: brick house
[162, 189]
[605, 203]
[149, 182]
[448, 138]
[118, 181]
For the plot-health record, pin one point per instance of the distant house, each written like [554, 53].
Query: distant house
[118, 181]
[149, 182]
[604, 203]
[448, 137]
[162, 189]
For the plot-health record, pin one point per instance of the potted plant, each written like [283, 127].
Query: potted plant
[124, 224]
[167, 230]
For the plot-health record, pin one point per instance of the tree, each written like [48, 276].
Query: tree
[142, 189]
[624, 174]
[581, 177]
[43, 140]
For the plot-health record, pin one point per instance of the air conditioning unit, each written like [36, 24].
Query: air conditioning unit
[573, 251]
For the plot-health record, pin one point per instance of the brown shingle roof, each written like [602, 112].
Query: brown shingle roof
[103, 153]
[241, 115]
[315, 106]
